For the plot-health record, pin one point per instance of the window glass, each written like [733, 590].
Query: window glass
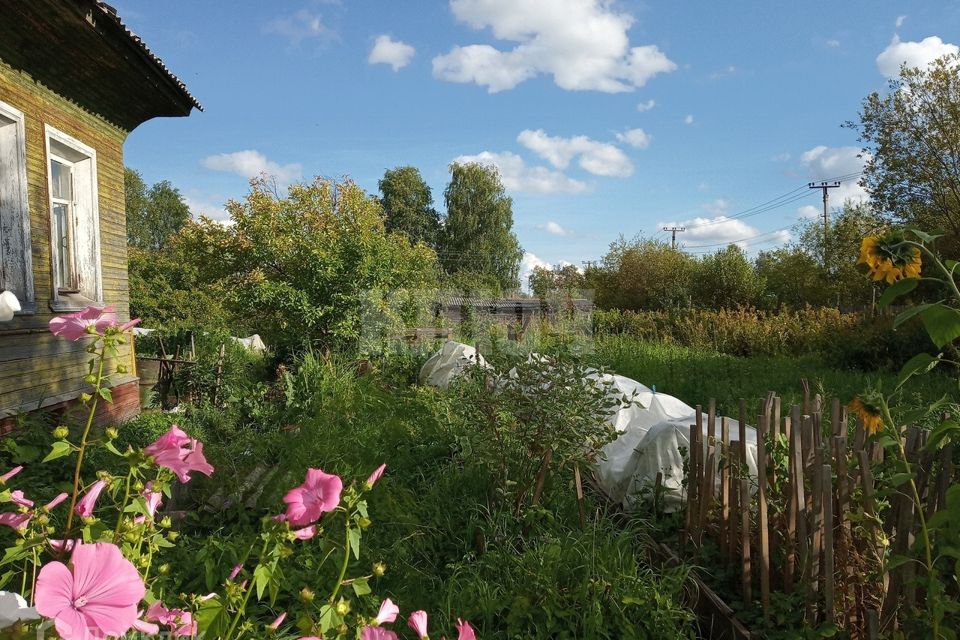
[60, 180]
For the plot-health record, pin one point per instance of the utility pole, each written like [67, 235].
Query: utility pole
[673, 238]
[825, 186]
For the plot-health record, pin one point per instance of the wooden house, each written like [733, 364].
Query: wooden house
[74, 82]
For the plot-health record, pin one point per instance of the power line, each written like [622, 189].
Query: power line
[673, 235]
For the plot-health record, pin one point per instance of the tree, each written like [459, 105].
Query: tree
[911, 140]
[793, 278]
[307, 267]
[726, 279]
[566, 279]
[153, 215]
[642, 274]
[478, 234]
[408, 205]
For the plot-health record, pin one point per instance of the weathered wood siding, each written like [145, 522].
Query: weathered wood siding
[37, 369]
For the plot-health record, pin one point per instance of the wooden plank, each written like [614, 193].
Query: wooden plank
[746, 579]
[736, 505]
[706, 471]
[828, 563]
[939, 495]
[843, 486]
[725, 487]
[835, 424]
[693, 482]
[581, 511]
[762, 523]
[816, 539]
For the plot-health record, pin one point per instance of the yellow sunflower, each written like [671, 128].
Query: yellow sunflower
[869, 414]
[888, 262]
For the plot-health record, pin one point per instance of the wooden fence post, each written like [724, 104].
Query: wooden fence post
[762, 429]
[826, 483]
[725, 542]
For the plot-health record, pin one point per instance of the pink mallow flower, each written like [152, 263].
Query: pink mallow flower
[319, 494]
[388, 612]
[56, 501]
[180, 453]
[15, 520]
[280, 618]
[377, 473]
[179, 623]
[376, 633]
[235, 572]
[17, 498]
[306, 533]
[152, 498]
[465, 631]
[74, 326]
[87, 503]
[97, 598]
[9, 474]
[418, 622]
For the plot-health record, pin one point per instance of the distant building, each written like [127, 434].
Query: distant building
[509, 310]
[74, 82]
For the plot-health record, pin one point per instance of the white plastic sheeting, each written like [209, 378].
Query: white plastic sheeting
[448, 363]
[654, 432]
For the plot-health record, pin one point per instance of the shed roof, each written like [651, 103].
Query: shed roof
[82, 50]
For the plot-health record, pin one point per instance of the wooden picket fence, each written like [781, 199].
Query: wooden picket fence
[813, 524]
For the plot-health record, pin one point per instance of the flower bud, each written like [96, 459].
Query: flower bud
[91, 329]
[363, 523]
[90, 378]
[342, 607]
[138, 486]
[306, 594]
[85, 397]
[121, 340]
[342, 630]
[61, 433]
[89, 520]
[172, 535]
[43, 519]
[112, 433]
[379, 569]
[163, 569]
[131, 537]
[121, 368]
[166, 523]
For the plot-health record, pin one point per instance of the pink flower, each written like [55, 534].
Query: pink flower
[306, 533]
[147, 628]
[74, 326]
[418, 622]
[465, 631]
[372, 480]
[180, 453]
[97, 598]
[280, 618]
[9, 474]
[388, 612]
[17, 497]
[57, 500]
[62, 546]
[376, 633]
[319, 494]
[152, 498]
[235, 572]
[87, 503]
[179, 622]
[15, 520]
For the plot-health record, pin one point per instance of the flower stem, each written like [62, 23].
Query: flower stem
[123, 505]
[101, 356]
[246, 596]
[346, 561]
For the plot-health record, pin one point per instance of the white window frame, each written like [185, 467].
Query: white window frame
[65, 296]
[21, 203]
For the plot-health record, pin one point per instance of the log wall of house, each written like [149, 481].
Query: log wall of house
[36, 369]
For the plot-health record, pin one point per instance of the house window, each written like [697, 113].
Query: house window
[16, 268]
[74, 221]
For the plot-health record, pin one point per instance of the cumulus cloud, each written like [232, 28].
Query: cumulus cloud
[206, 205]
[531, 261]
[519, 178]
[392, 52]
[808, 211]
[300, 26]
[913, 54]
[646, 106]
[583, 44]
[637, 138]
[554, 228]
[688, 119]
[833, 43]
[719, 231]
[251, 163]
[717, 207]
[598, 158]
[900, 20]
[823, 163]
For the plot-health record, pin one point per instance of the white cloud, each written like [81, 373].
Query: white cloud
[554, 228]
[300, 26]
[688, 119]
[823, 163]
[583, 44]
[782, 157]
[637, 138]
[209, 206]
[531, 261]
[646, 106]
[519, 178]
[913, 54]
[251, 163]
[717, 207]
[900, 20]
[598, 158]
[809, 211]
[833, 43]
[726, 72]
[717, 232]
[392, 52]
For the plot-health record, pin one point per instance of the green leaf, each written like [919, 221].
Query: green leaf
[261, 579]
[903, 316]
[900, 478]
[106, 394]
[212, 618]
[897, 289]
[354, 534]
[109, 446]
[920, 363]
[942, 431]
[896, 561]
[942, 323]
[926, 237]
[59, 449]
[360, 586]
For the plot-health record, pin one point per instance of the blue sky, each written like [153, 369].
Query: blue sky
[605, 117]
